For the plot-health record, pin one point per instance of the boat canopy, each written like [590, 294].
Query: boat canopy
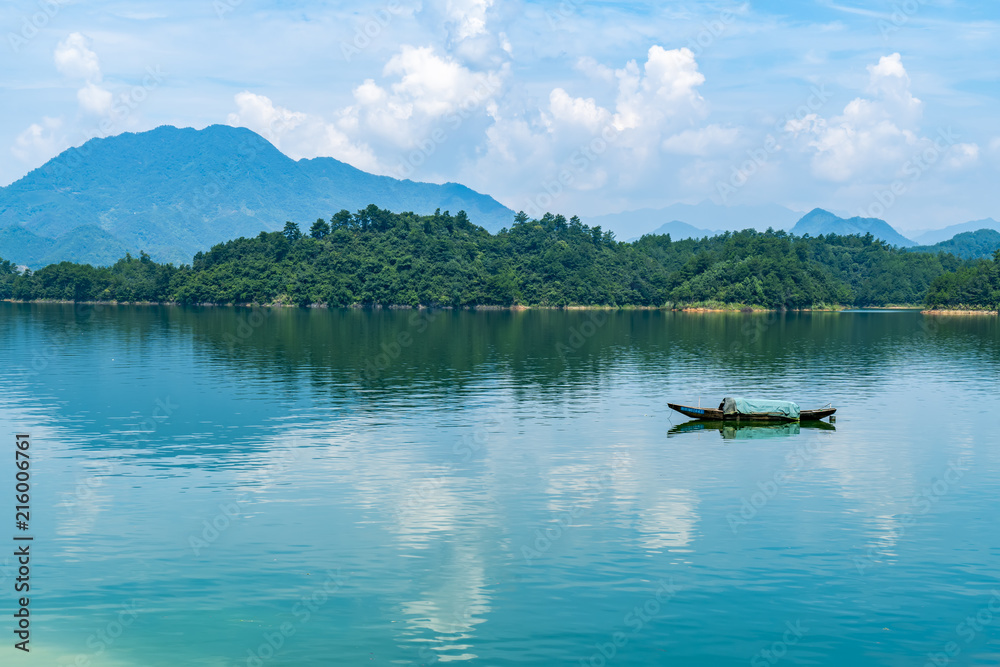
[757, 406]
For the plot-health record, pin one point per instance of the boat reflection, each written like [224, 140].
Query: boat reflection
[730, 430]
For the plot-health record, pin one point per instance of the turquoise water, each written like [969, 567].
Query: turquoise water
[312, 487]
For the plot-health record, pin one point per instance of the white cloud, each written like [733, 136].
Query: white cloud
[872, 136]
[890, 84]
[94, 99]
[75, 60]
[39, 141]
[577, 144]
[594, 69]
[668, 89]
[701, 142]
[505, 44]
[424, 92]
[431, 84]
[427, 90]
[258, 113]
[297, 134]
[469, 17]
[577, 111]
[649, 102]
[960, 156]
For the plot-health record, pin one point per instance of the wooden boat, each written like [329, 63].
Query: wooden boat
[715, 414]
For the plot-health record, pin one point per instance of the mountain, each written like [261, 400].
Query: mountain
[681, 230]
[967, 245]
[174, 191]
[703, 216]
[818, 221]
[97, 246]
[939, 235]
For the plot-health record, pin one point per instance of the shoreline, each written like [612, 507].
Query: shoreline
[721, 308]
[953, 313]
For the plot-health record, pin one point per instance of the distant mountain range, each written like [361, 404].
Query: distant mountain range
[708, 219]
[172, 192]
[681, 230]
[818, 221]
[701, 217]
[939, 235]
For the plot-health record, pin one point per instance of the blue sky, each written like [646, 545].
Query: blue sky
[883, 108]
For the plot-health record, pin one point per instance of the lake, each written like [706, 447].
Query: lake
[225, 486]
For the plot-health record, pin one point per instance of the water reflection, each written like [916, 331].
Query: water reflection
[453, 601]
[732, 431]
[425, 468]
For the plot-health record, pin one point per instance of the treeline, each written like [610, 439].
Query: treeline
[375, 256]
[975, 285]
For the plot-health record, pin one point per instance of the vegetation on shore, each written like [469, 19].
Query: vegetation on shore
[376, 257]
[973, 286]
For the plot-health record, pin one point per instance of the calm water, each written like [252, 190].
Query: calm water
[291, 487]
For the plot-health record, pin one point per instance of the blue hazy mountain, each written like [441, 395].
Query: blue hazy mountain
[818, 221]
[88, 241]
[174, 191]
[704, 216]
[939, 235]
[979, 244]
[681, 230]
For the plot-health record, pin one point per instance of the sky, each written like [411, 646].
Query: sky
[884, 108]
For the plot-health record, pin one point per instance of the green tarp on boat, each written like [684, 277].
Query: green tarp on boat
[759, 406]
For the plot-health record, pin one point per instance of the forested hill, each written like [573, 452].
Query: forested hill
[975, 285]
[979, 244]
[375, 256]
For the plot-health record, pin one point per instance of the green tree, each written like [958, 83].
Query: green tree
[291, 231]
[319, 229]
